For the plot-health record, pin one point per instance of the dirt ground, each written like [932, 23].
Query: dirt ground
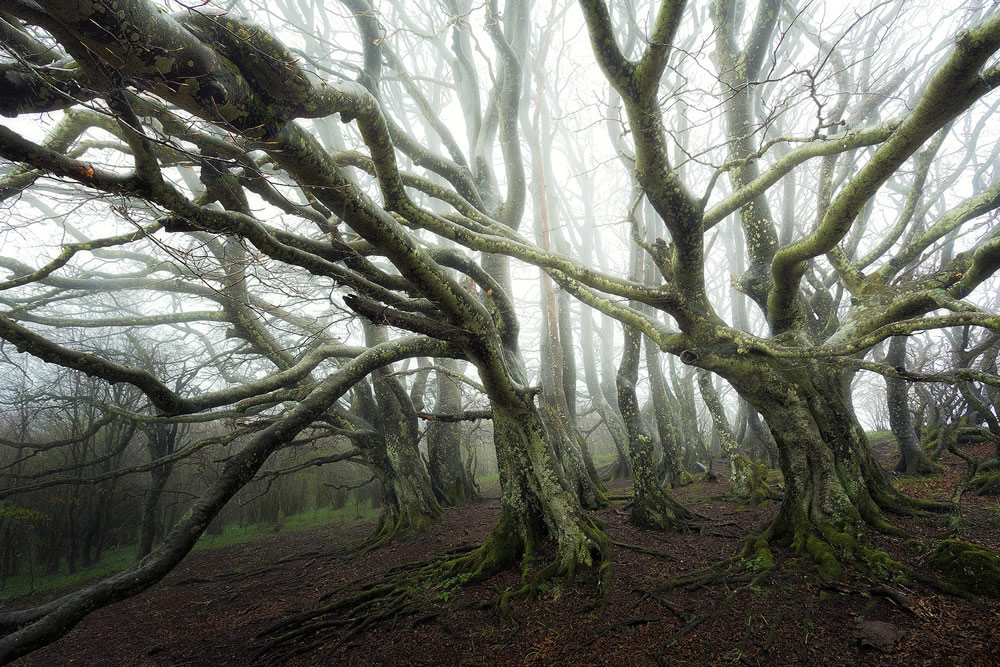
[210, 610]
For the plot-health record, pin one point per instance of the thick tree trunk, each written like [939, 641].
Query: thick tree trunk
[571, 454]
[834, 488]
[536, 503]
[408, 502]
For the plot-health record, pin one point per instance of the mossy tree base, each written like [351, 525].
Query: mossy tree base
[658, 511]
[826, 544]
[969, 567]
[537, 508]
[835, 490]
[396, 523]
[652, 506]
[748, 481]
[986, 481]
[917, 465]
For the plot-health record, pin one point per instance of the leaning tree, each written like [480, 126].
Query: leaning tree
[731, 101]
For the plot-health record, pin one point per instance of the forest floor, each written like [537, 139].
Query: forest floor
[210, 610]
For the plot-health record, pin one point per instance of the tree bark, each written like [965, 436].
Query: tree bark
[740, 466]
[408, 501]
[652, 507]
[912, 459]
[833, 485]
[449, 477]
[612, 420]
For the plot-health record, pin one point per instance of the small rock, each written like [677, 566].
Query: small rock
[879, 635]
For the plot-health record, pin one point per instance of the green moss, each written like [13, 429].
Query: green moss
[826, 560]
[967, 566]
[987, 479]
[757, 555]
[760, 491]
[929, 441]
[913, 545]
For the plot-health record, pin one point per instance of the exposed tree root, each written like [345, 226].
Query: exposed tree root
[718, 612]
[827, 546]
[644, 550]
[392, 526]
[657, 510]
[627, 623]
[986, 480]
[406, 591]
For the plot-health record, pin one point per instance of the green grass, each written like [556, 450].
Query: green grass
[115, 560]
[309, 520]
[604, 459]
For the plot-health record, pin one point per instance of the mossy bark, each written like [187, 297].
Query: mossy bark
[408, 502]
[652, 506]
[986, 481]
[967, 566]
[558, 398]
[572, 458]
[536, 505]
[612, 420]
[449, 478]
[912, 459]
[666, 423]
[740, 465]
[687, 417]
[834, 488]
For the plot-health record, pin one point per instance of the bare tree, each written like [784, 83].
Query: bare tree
[348, 208]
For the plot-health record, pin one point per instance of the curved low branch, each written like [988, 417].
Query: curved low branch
[468, 415]
[29, 629]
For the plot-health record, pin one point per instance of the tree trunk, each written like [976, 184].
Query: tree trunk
[161, 440]
[912, 459]
[694, 444]
[652, 507]
[150, 525]
[451, 482]
[408, 502]
[536, 503]
[612, 420]
[745, 482]
[834, 488]
[666, 424]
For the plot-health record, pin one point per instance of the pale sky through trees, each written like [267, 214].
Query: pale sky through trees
[287, 225]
